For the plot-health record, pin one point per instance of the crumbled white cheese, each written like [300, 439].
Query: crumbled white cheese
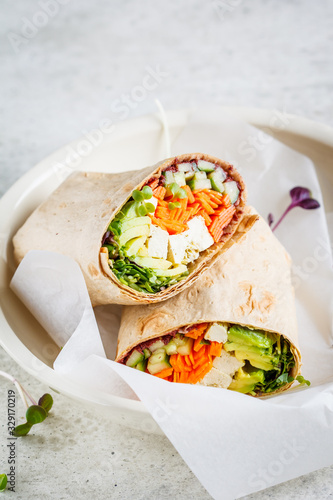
[215, 378]
[177, 248]
[157, 243]
[217, 332]
[227, 363]
[198, 235]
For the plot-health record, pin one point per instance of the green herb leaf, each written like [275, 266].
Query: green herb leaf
[142, 211]
[150, 208]
[3, 482]
[302, 380]
[22, 430]
[138, 195]
[35, 414]
[147, 192]
[46, 402]
[174, 205]
[181, 194]
[174, 188]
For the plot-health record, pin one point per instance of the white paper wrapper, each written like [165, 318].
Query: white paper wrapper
[233, 443]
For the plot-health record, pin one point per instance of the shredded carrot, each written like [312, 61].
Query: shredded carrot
[189, 193]
[164, 373]
[215, 349]
[153, 184]
[204, 204]
[159, 192]
[162, 213]
[204, 214]
[220, 222]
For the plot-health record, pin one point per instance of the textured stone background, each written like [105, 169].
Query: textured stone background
[64, 72]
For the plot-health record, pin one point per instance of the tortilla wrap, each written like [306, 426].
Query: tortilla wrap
[73, 220]
[249, 285]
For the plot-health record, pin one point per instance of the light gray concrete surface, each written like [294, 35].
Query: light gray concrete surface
[68, 65]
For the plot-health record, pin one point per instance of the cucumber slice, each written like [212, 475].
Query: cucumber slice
[158, 367]
[200, 175]
[158, 356]
[171, 348]
[217, 185]
[186, 348]
[179, 178]
[142, 365]
[135, 358]
[146, 353]
[169, 178]
[156, 345]
[219, 173]
[188, 169]
[206, 166]
[231, 189]
[200, 184]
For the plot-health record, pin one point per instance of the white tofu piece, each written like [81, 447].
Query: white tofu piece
[215, 378]
[177, 248]
[227, 363]
[157, 243]
[217, 332]
[198, 234]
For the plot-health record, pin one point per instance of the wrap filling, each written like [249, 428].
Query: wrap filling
[166, 224]
[239, 358]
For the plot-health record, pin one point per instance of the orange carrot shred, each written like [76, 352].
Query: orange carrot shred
[164, 373]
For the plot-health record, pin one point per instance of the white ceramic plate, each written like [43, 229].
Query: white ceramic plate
[130, 145]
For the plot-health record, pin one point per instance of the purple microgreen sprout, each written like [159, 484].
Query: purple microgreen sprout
[300, 197]
[35, 413]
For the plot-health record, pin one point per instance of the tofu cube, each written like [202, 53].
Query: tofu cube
[198, 234]
[177, 248]
[217, 332]
[157, 243]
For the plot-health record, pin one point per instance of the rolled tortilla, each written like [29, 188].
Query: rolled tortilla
[74, 219]
[249, 285]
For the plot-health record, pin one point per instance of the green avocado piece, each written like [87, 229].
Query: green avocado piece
[128, 211]
[133, 246]
[245, 382]
[257, 356]
[133, 232]
[242, 335]
[175, 271]
[133, 222]
[153, 262]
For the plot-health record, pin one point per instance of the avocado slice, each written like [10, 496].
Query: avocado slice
[153, 262]
[133, 222]
[133, 232]
[257, 356]
[245, 382]
[258, 338]
[175, 271]
[133, 246]
[128, 211]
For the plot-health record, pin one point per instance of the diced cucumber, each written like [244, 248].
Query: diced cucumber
[185, 167]
[158, 361]
[146, 353]
[200, 175]
[135, 358]
[200, 184]
[171, 348]
[156, 345]
[179, 178]
[219, 173]
[179, 340]
[158, 367]
[231, 189]
[186, 348]
[142, 365]
[169, 178]
[217, 185]
[216, 178]
[206, 166]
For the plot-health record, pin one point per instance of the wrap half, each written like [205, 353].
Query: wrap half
[140, 236]
[235, 328]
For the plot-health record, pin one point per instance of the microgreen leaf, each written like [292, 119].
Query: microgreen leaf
[138, 195]
[150, 207]
[46, 402]
[173, 205]
[142, 211]
[302, 380]
[174, 188]
[147, 192]
[300, 197]
[22, 430]
[3, 482]
[181, 194]
[35, 414]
